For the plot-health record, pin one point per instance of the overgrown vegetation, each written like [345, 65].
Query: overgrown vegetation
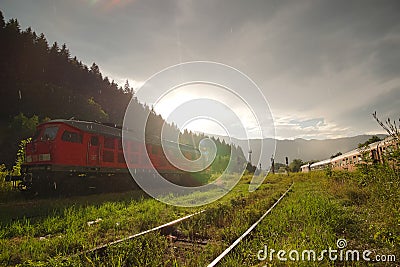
[4, 186]
[323, 209]
[295, 165]
[361, 207]
[8, 191]
[45, 240]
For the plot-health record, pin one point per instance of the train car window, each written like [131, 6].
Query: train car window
[94, 141]
[50, 133]
[109, 142]
[72, 137]
[108, 156]
[121, 158]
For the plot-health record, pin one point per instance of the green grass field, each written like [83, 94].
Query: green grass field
[361, 207]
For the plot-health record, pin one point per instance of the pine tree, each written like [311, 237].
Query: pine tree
[2, 23]
[65, 52]
[127, 88]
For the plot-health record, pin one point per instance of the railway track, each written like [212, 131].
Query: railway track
[104, 246]
[237, 241]
[192, 238]
[183, 242]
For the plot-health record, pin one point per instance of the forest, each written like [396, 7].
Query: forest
[42, 81]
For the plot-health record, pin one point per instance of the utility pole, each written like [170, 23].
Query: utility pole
[250, 151]
[272, 164]
[287, 165]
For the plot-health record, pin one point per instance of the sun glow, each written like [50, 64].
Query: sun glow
[168, 106]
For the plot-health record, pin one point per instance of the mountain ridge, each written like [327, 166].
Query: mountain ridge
[299, 148]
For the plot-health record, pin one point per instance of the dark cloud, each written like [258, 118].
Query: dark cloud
[336, 60]
[386, 59]
[386, 104]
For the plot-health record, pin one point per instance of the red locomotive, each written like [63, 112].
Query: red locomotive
[72, 155]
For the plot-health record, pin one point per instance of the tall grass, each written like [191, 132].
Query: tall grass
[320, 209]
[44, 241]
[4, 186]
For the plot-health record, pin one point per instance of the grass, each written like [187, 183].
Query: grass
[306, 219]
[7, 192]
[318, 211]
[65, 231]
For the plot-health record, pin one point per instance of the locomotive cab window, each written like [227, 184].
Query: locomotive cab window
[49, 133]
[72, 137]
[36, 135]
[94, 141]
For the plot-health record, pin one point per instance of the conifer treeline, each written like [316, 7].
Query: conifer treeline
[45, 80]
[41, 81]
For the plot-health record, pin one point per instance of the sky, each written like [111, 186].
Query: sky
[322, 66]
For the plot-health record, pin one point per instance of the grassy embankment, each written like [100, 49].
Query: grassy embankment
[361, 207]
[51, 235]
[321, 210]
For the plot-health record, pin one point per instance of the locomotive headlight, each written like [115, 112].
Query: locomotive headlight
[44, 157]
[28, 158]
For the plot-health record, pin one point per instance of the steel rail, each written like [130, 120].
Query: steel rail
[136, 235]
[237, 241]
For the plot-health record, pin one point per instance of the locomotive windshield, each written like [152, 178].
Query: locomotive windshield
[49, 133]
[36, 135]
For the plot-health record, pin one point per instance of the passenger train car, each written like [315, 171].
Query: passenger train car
[348, 161]
[72, 155]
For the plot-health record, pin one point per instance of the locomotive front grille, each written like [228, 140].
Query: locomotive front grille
[44, 157]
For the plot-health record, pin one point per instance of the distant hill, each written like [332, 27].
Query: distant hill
[300, 148]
